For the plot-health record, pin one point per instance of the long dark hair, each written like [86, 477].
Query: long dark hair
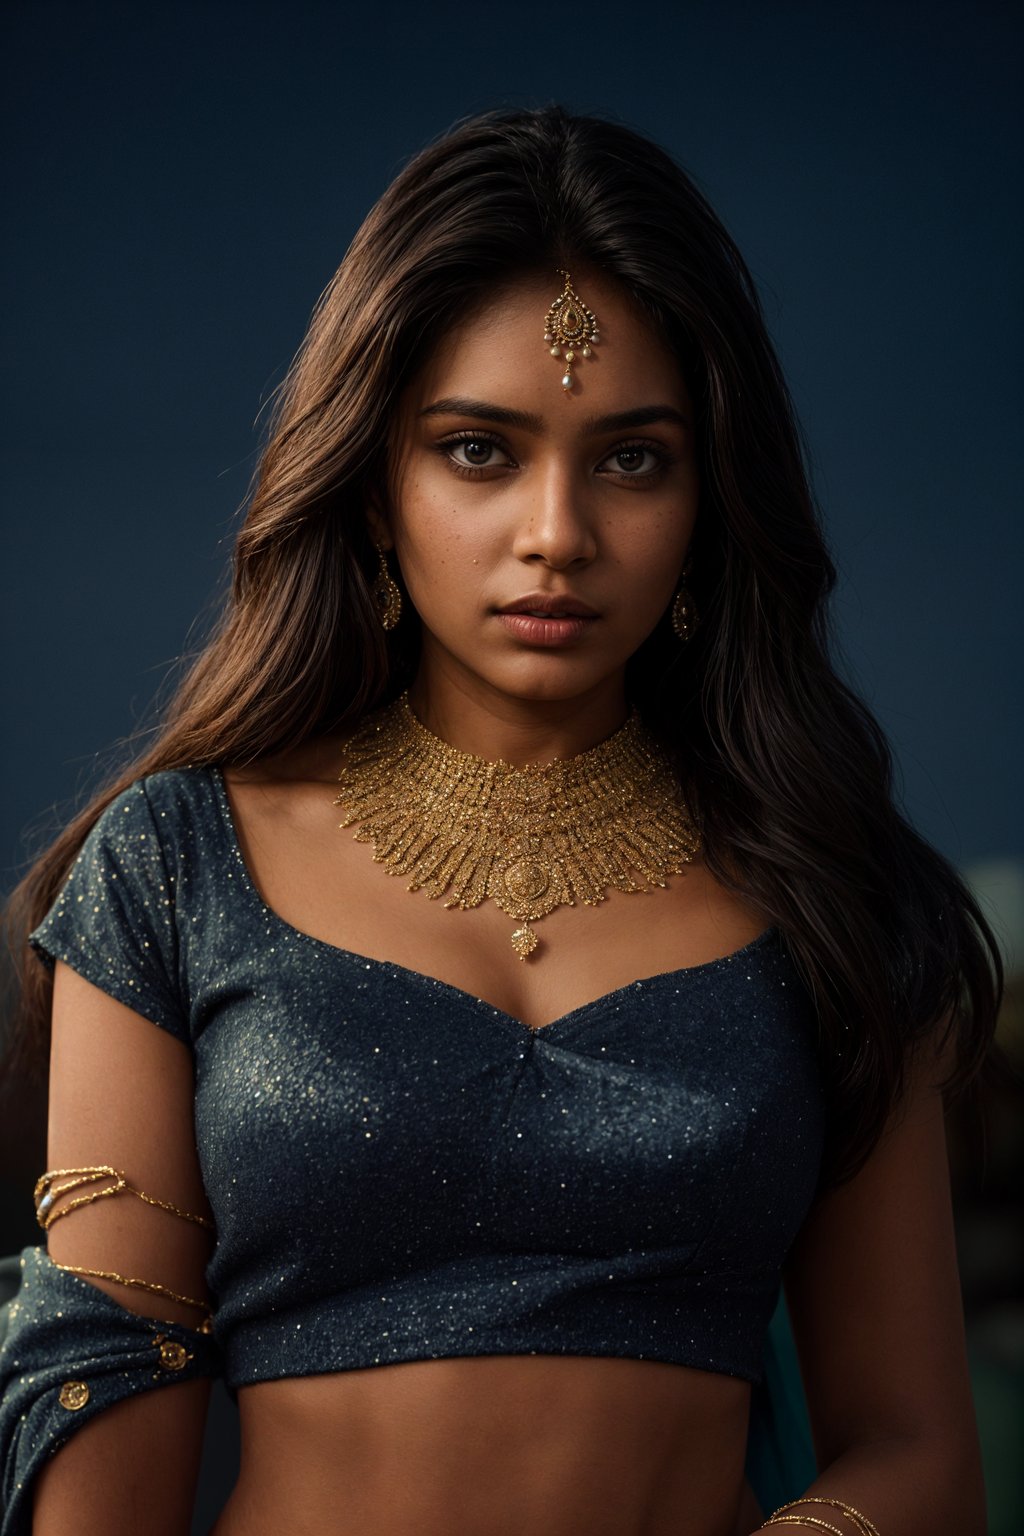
[789, 772]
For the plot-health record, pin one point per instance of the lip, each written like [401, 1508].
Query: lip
[550, 604]
[546, 632]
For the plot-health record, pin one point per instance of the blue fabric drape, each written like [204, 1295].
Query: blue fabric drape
[67, 1352]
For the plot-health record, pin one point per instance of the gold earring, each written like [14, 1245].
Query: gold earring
[386, 595]
[684, 610]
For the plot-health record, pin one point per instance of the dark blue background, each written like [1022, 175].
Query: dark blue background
[181, 180]
[184, 179]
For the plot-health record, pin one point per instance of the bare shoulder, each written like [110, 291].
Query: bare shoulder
[317, 761]
[286, 791]
[725, 898]
[731, 917]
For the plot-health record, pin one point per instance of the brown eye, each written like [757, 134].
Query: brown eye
[472, 451]
[475, 451]
[636, 461]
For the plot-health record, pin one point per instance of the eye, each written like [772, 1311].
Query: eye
[636, 461]
[474, 451]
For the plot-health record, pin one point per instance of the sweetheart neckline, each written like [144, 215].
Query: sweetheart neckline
[461, 993]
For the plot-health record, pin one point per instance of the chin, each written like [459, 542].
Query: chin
[547, 684]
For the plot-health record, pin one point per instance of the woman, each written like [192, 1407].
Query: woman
[531, 589]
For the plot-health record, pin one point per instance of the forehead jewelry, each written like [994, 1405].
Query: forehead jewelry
[570, 327]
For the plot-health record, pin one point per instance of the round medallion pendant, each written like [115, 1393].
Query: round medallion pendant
[528, 887]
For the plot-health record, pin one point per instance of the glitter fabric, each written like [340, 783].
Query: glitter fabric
[401, 1171]
[68, 1351]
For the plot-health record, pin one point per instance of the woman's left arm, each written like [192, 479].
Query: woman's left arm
[874, 1299]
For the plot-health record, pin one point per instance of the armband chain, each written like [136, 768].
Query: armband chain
[46, 1192]
[44, 1196]
[781, 1516]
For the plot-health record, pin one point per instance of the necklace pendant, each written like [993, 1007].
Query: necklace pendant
[530, 839]
[524, 941]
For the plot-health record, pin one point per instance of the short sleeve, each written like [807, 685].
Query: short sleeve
[113, 921]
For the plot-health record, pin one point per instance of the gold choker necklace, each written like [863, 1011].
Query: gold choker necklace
[530, 839]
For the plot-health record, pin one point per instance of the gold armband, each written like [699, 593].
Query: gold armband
[206, 1326]
[862, 1524]
[46, 1192]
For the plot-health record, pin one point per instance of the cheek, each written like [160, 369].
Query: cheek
[650, 553]
[442, 552]
[438, 550]
[435, 526]
[424, 527]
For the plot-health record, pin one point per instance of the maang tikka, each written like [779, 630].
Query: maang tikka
[570, 326]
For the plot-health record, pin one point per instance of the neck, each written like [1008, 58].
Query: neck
[493, 725]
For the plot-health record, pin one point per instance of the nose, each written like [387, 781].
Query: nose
[555, 525]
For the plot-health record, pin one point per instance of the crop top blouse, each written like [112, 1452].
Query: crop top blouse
[401, 1171]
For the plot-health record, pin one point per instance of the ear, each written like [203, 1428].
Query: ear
[377, 521]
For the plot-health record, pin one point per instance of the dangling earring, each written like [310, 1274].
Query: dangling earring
[684, 610]
[386, 595]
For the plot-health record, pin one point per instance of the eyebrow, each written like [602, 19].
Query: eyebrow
[617, 421]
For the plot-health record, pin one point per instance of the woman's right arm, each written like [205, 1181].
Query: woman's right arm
[122, 1093]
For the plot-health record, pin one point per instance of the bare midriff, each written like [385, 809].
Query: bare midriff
[513, 1445]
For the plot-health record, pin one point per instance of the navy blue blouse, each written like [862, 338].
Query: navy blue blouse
[401, 1171]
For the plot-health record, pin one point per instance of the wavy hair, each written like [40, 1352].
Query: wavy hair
[791, 775]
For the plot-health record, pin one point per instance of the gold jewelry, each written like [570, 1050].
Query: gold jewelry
[74, 1395]
[44, 1195]
[863, 1524]
[171, 1355]
[206, 1326]
[46, 1192]
[386, 594]
[684, 610]
[530, 839]
[809, 1522]
[570, 324]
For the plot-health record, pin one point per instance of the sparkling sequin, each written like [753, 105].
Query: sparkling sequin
[401, 1171]
[69, 1351]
